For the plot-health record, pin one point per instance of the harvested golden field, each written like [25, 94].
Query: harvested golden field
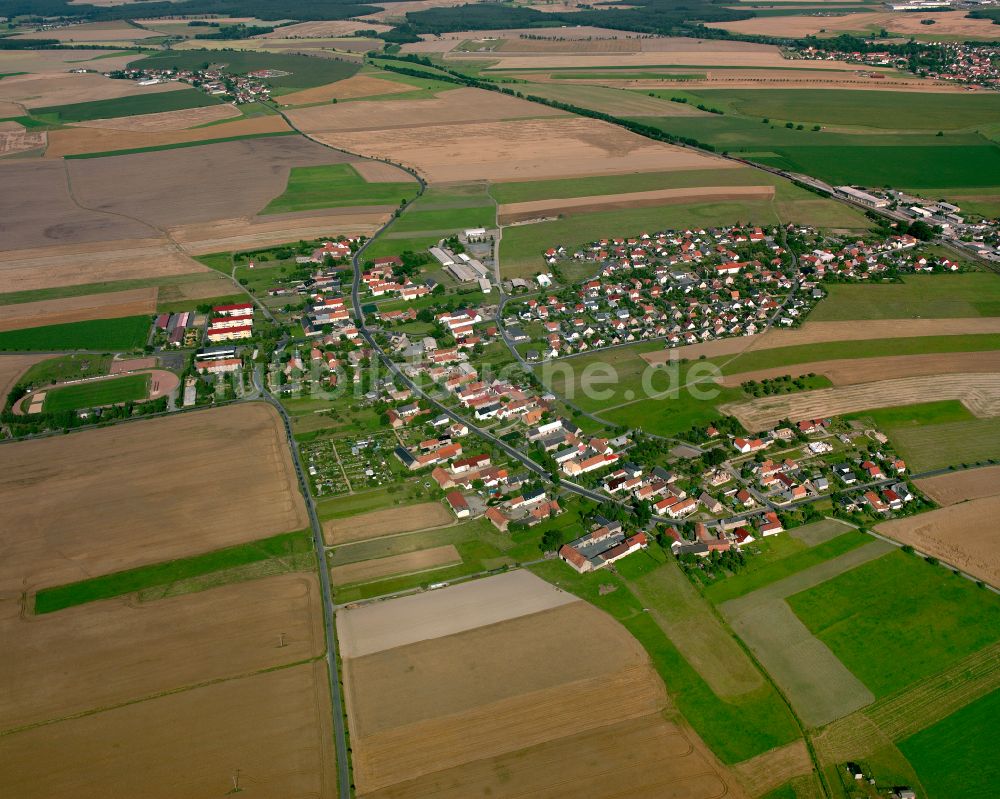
[868, 370]
[955, 487]
[528, 149]
[370, 570]
[979, 392]
[11, 368]
[606, 98]
[195, 184]
[576, 46]
[76, 264]
[512, 212]
[435, 614]
[165, 120]
[446, 41]
[89, 32]
[381, 172]
[110, 305]
[774, 768]
[709, 57]
[496, 708]
[348, 89]
[781, 79]
[15, 138]
[399, 10]
[157, 490]
[61, 61]
[57, 663]
[247, 233]
[946, 23]
[818, 332]
[271, 729]
[77, 140]
[965, 535]
[386, 522]
[453, 105]
[333, 27]
[45, 89]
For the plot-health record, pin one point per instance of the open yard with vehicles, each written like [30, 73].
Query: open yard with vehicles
[431, 702]
[874, 616]
[228, 468]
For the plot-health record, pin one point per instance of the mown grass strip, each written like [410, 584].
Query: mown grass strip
[49, 600]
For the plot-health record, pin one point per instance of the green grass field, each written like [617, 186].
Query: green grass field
[158, 574]
[735, 730]
[305, 71]
[899, 619]
[957, 757]
[107, 335]
[936, 446]
[924, 413]
[781, 556]
[97, 393]
[918, 296]
[127, 106]
[848, 107]
[335, 186]
[66, 367]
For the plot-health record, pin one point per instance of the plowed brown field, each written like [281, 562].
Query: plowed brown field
[965, 535]
[386, 522]
[502, 709]
[955, 487]
[272, 731]
[104, 500]
[111, 305]
[63, 88]
[369, 570]
[57, 664]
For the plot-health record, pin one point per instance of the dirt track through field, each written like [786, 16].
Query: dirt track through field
[511, 212]
[156, 490]
[955, 487]
[370, 570]
[56, 664]
[272, 730]
[110, 305]
[434, 614]
[386, 522]
[867, 370]
[819, 332]
[979, 392]
[965, 535]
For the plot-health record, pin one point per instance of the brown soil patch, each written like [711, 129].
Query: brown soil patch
[386, 522]
[241, 234]
[435, 614]
[76, 140]
[57, 664]
[74, 265]
[11, 368]
[818, 332]
[41, 90]
[512, 212]
[273, 729]
[521, 150]
[335, 27]
[499, 709]
[349, 89]
[166, 120]
[111, 305]
[8, 109]
[381, 172]
[955, 487]
[453, 105]
[195, 184]
[965, 535]
[370, 570]
[980, 393]
[90, 32]
[868, 370]
[773, 769]
[131, 365]
[947, 23]
[14, 138]
[157, 490]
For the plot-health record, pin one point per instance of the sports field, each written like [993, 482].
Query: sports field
[97, 393]
[335, 186]
[875, 616]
